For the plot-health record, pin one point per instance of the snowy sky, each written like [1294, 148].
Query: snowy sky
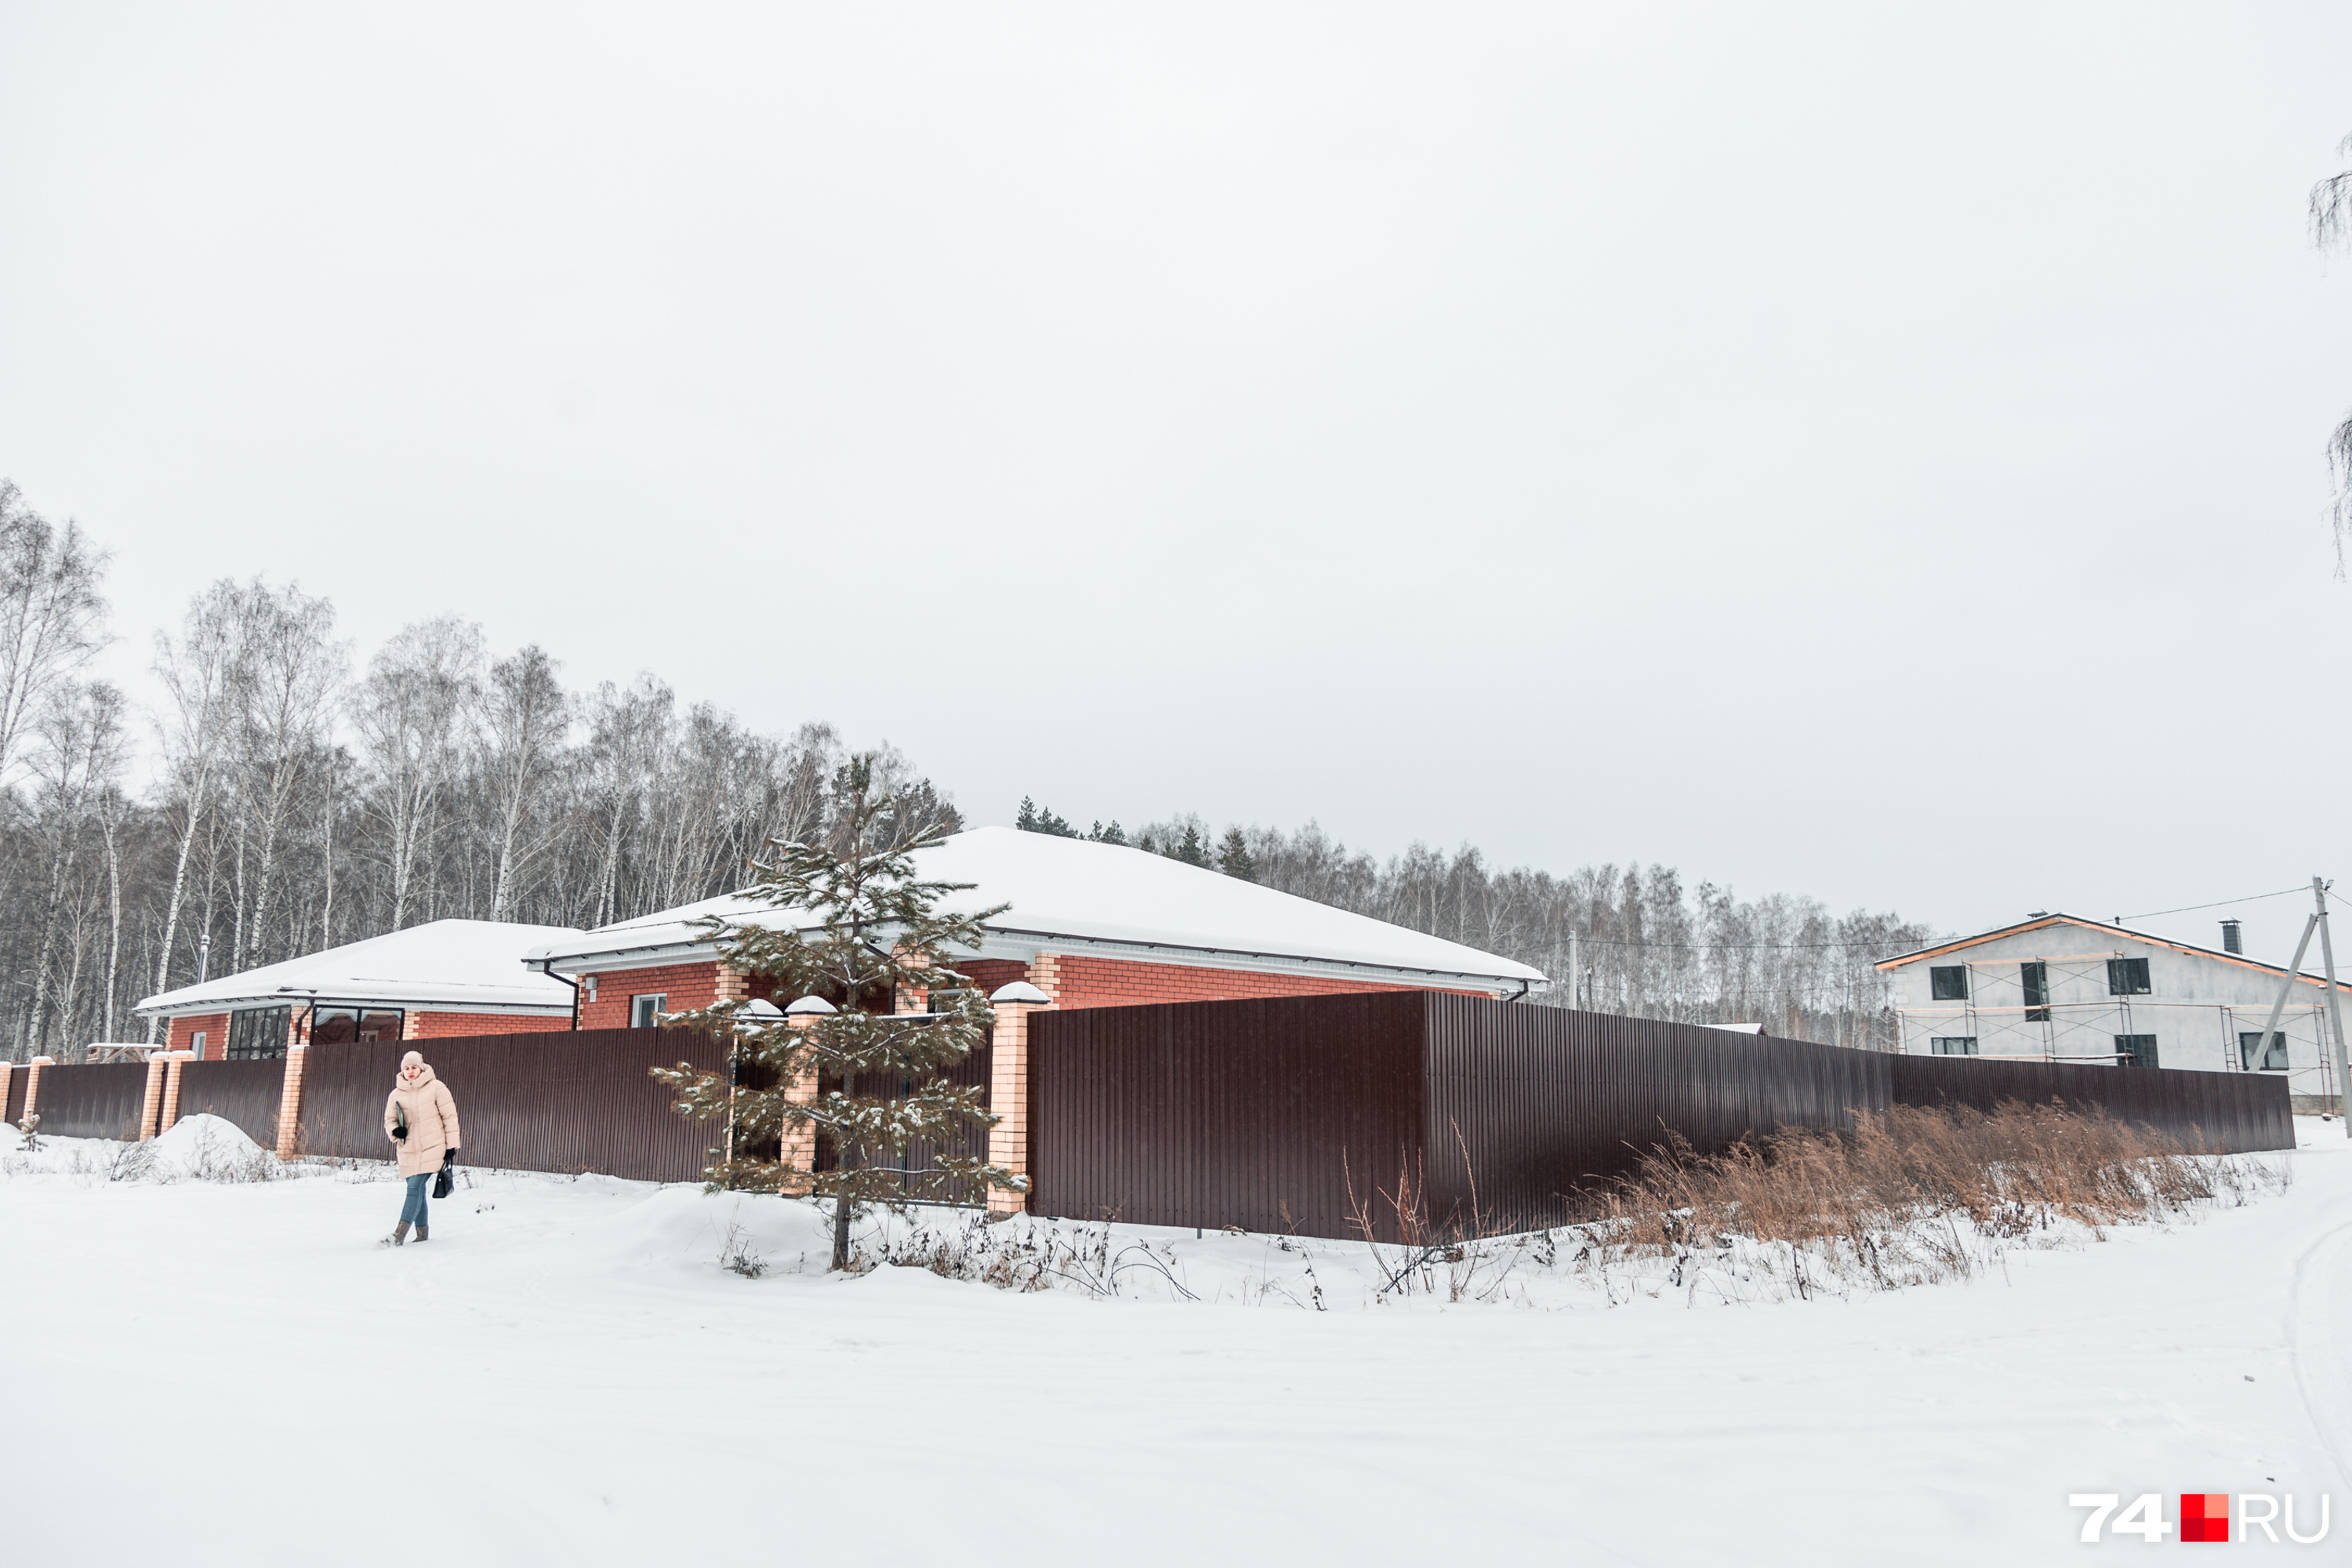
[1858, 450]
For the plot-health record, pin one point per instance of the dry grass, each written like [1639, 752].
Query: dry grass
[1911, 1197]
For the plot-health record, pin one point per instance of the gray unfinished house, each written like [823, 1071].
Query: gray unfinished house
[2058, 987]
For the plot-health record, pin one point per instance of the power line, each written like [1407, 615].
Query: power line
[2218, 903]
[1723, 946]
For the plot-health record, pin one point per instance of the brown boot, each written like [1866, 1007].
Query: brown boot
[420, 1231]
[400, 1233]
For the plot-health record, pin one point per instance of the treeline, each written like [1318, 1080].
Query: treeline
[1615, 938]
[295, 801]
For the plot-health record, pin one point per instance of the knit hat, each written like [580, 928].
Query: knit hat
[413, 1060]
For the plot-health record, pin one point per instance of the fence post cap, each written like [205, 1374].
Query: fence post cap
[759, 1009]
[1019, 991]
[807, 1005]
[42, 1062]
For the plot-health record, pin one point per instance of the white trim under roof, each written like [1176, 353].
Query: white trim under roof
[1088, 899]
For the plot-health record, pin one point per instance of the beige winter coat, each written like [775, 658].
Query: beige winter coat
[432, 1122]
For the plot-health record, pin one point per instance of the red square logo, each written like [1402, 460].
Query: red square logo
[2204, 1516]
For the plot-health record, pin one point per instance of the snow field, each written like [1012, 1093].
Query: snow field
[231, 1370]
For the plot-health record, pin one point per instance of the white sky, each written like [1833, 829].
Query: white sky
[1847, 450]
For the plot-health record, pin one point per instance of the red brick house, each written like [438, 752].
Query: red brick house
[1092, 925]
[447, 977]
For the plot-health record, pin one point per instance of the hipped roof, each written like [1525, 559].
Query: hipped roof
[449, 965]
[1069, 893]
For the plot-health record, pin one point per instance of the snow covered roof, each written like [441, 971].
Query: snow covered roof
[461, 966]
[1070, 895]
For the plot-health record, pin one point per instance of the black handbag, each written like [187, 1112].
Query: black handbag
[441, 1184]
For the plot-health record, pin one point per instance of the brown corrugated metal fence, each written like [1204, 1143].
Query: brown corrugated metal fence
[20, 1077]
[973, 1141]
[1529, 1104]
[2224, 1111]
[242, 1093]
[571, 1100]
[1279, 1114]
[1291, 1113]
[94, 1100]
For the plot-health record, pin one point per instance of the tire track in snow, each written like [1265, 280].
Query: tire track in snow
[2319, 1350]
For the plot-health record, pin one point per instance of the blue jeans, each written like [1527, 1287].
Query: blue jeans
[412, 1211]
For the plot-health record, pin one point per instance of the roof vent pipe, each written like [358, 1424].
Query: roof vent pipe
[2231, 940]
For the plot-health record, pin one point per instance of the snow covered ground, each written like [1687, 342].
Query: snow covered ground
[202, 1370]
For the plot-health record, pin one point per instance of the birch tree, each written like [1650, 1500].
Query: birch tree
[411, 712]
[200, 671]
[525, 717]
[294, 672]
[52, 615]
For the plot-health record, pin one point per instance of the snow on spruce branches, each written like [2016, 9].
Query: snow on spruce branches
[859, 930]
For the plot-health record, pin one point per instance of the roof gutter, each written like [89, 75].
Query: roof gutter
[546, 967]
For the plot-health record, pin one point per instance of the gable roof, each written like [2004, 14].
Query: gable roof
[1073, 895]
[451, 966]
[2042, 921]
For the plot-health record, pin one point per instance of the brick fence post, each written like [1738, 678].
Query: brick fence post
[33, 1083]
[289, 1103]
[6, 1068]
[150, 1104]
[1008, 1089]
[174, 1061]
[905, 999]
[800, 1143]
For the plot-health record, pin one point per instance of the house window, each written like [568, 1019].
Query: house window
[1949, 983]
[196, 1044]
[258, 1034]
[2273, 1059]
[355, 1026]
[2127, 977]
[645, 1012]
[2134, 1050]
[2035, 977]
[1955, 1044]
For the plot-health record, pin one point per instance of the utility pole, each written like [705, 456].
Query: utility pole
[2334, 1045]
[2334, 1008]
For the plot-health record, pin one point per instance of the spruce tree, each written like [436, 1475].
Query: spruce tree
[1234, 857]
[874, 931]
[1036, 818]
[1191, 850]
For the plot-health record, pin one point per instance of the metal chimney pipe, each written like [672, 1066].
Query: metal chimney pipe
[2231, 940]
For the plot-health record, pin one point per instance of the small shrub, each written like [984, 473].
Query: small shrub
[735, 1255]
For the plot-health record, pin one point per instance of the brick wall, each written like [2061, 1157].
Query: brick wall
[988, 973]
[213, 1026]
[1072, 981]
[687, 986]
[442, 1025]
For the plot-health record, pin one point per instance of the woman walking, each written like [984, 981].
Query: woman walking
[421, 1119]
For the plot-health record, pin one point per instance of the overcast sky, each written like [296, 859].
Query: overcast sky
[1858, 451]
